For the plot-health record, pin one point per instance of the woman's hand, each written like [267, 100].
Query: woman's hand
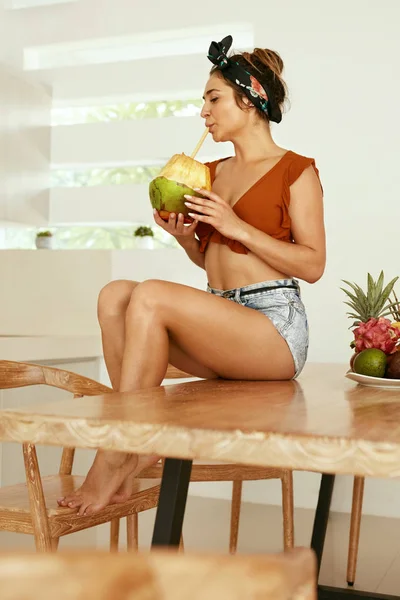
[184, 234]
[216, 212]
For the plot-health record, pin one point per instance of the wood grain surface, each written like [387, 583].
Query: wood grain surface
[158, 576]
[321, 422]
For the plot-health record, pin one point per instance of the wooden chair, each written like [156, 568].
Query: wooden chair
[158, 576]
[32, 507]
[202, 472]
[355, 522]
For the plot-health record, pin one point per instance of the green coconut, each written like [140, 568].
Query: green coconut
[168, 196]
[179, 176]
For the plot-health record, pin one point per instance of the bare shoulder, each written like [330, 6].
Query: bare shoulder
[308, 177]
[303, 173]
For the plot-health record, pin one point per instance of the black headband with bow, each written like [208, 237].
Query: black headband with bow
[258, 94]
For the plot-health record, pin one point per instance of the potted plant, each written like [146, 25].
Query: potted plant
[144, 237]
[44, 239]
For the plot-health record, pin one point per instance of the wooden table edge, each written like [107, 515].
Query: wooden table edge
[327, 454]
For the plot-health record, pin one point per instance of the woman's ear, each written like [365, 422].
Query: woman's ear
[247, 102]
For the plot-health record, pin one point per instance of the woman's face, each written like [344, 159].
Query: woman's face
[222, 115]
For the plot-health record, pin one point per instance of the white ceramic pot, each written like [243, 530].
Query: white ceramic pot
[44, 242]
[145, 242]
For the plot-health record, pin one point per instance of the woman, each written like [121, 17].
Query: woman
[258, 230]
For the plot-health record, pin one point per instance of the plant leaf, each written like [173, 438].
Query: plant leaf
[349, 314]
[388, 289]
[376, 298]
[385, 295]
[362, 299]
[351, 304]
[370, 290]
[352, 296]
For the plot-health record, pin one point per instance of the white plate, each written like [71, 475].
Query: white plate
[380, 382]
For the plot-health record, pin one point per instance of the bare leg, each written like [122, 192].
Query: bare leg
[111, 311]
[245, 345]
[234, 341]
[113, 302]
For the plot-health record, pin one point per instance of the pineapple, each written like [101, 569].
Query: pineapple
[179, 176]
[373, 304]
[395, 311]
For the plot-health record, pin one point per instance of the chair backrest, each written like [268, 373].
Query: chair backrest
[17, 374]
[158, 576]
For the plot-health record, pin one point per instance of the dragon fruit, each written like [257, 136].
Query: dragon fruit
[376, 333]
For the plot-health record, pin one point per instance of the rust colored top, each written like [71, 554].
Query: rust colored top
[265, 205]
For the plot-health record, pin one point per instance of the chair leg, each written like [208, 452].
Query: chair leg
[235, 515]
[132, 532]
[114, 535]
[288, 510]
[355, 522]
[54, 544]
[40, 522]
[181, 545]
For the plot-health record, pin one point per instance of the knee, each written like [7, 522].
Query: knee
[114, 298]
[147, 296]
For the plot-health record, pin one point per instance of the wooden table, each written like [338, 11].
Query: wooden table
[322, 422]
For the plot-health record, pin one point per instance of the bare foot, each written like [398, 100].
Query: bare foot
[108, 472]
[126, 489]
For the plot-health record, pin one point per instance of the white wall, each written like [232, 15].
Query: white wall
[24, 148]
[51, 293]
[127, 142]
[55, 292]
[128, 203]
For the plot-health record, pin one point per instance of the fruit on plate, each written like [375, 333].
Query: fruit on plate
[376, 333]
[373, 304]
[371, 362]
[179, 176]
[393, 367]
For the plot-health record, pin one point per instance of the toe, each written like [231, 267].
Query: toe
[68, 499]
[92, 509]
[75, 503]
[83, 509]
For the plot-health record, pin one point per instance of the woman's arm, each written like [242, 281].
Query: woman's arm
[191, 247]
[184, 235]
[305, 258]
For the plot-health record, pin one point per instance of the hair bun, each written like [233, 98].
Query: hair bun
[268, 58]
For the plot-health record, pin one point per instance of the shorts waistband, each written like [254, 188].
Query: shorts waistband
[263, 286]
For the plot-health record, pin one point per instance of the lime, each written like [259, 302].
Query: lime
[370, 362]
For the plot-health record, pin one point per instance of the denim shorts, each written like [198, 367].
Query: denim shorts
[280, 301]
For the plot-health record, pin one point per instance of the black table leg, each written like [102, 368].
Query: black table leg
[322, 516]
[317, 544]
[172, 502]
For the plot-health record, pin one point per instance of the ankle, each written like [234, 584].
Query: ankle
[114, 459]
